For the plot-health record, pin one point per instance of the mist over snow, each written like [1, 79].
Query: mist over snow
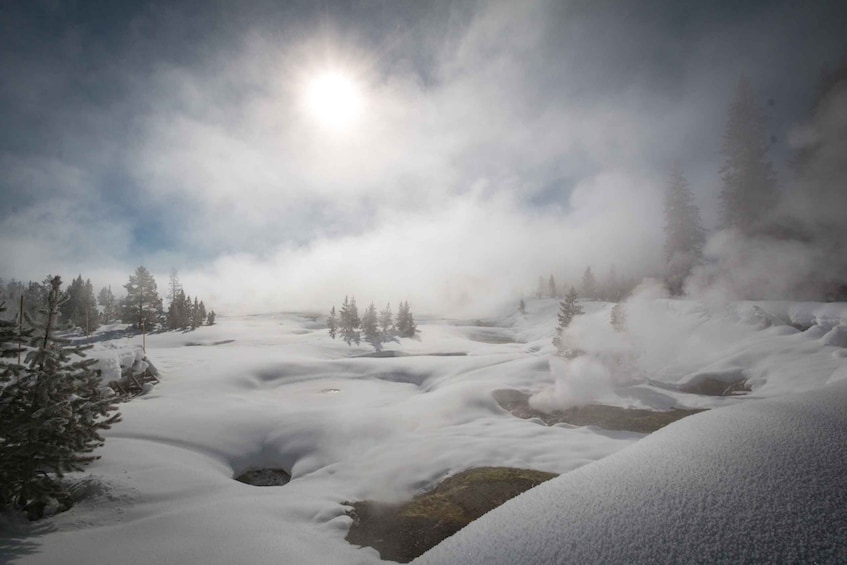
[177, 135]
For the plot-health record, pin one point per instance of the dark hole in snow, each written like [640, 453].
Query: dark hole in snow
[196, 344]
[264, 477]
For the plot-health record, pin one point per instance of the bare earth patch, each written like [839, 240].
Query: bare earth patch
[606, 417]
[405, 531]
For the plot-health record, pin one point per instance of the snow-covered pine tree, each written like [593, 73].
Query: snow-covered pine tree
[349, 321]
[386, 323]
[522, 307]
[210, 319]
[332, 323]
[551, 287]
[684, 234]
[52, 416]
[370, 327]
[142, 307]
[568, 309]
[406, 326]
[589, 284]
[749, 181]
[201, 314]
[539, 291]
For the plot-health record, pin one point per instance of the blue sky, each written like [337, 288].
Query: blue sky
[498, 140]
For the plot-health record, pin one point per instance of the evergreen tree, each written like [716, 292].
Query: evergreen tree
[386, 323]
[332, 323]
[210, 319]
[522, 307]
[107, 302]
[195, 314]
[51, 415]
[539, 292]
[611, 285]
[370, 327]
[684, 235]
[142, 307]
[568, 309]
[749, 183]
[349, 322]
[551, 284]
[589, 284]
[174, 286]
[201, 314]
[406, 326]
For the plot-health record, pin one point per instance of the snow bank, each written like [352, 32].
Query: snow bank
[759, 482]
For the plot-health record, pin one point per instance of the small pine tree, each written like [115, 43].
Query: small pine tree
[349, 322]
[684, 235]
[370, 327]
[332, 323]
[589, 284]
[522, 307]
[406, 326]
[106, 299]
[210, 319]
[51, 416]
[142, 306]
[552, 289]
[386, 323]
[568, 309]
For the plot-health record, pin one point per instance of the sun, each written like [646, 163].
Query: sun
[334, 99]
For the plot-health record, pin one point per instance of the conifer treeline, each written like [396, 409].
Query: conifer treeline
[375, 328]
[141, 307]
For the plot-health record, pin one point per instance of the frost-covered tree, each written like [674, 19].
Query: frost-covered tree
[370, 327]
[522, 307]
[749, 182]
[142, 307]
[349, 322]
[568, 309]
[51, 414]
[386, 323]
[551, 287]
[589, 284]
[539, 291]
[210, 319]
[332, 323]
[406, 326]
[684, 234]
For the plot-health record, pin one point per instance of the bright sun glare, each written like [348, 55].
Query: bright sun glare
[334, 99]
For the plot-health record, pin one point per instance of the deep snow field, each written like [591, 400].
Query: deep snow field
[759, 478]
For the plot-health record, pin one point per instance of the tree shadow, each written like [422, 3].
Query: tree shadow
[20, 539]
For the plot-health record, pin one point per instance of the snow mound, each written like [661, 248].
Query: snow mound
[702, 490]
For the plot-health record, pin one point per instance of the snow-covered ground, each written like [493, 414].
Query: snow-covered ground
[759, 477]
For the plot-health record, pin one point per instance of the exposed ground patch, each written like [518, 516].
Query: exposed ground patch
[405, 531]
[606, 417]
[196, 344]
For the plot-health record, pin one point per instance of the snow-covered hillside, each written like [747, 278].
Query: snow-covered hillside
[276, 391]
